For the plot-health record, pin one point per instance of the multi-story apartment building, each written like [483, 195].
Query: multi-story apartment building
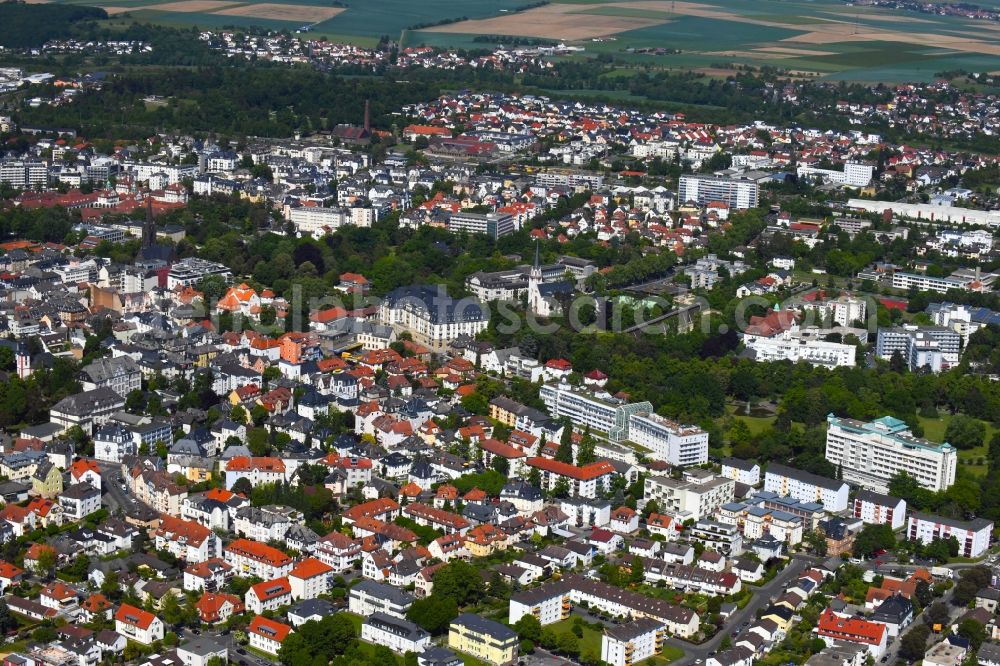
[189, 271]
[872, 453]
[187, 540]
[720, 537]
[494, 225]
[934, 347]
[755, 520]
[394, 633]
[806, 487]
[629, 644]
[121, 374]
[602, 413]
[24, 175]
[679, 445]
[368, 597]
[249, 558]
[973, 535]
[587, 481]
[843, 310]
[484, 639]
[879, 509]
[309, 579]
[267, 635]
[702, 189]
[695, 496]
[801, 345]
[743, 471]
[924, 282]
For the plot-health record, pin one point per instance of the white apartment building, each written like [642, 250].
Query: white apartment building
[742, 471]
[677, 444]
[398, 635]
[309, 579]
[843, 310]
[703, 189]
[602, 412]
[138, 625]
[755, 520]
[189, 271]
[880, 509]
[697, 495]
[806, 487]
[923, 282]
[933, 347]
[973, 535]
[872, 453]
[720, 537]
[494, 225]
[267, 635]
[369, 597]
[624, 645]
[249, 558]
[315, 221]
[855, 174]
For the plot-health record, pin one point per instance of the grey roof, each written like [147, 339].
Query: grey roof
[805, 477]
[310, 607]
[481, 625]
[382, 591]
[634, 629]
[396, 626]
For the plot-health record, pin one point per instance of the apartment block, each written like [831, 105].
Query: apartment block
[806, 487]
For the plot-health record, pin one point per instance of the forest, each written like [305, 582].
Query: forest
[31, 25]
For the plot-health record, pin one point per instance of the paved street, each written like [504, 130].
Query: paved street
[761, 599]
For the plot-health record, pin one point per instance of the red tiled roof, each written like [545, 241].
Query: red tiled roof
[136, 617]
[275, 631]
[586, 473]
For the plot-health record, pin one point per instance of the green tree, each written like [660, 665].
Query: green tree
[460, 581]
[529, 628]
[433, 613]
[872, 538]
[913, 644]
[972, 630]
[964, 432]
[565, 451]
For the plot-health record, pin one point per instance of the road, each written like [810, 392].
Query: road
[761, 599]
[113, 496]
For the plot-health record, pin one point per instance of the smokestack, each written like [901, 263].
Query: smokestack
[368, 120]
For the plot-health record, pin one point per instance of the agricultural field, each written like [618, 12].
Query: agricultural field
[820, 38]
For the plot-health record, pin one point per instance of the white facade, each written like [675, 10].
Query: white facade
[629, 644]
[702, 189]
[872, 453]
[677, 444]
[806, 487]
[973, 536]
[398, 635]
[798, 346]
[586, 409]
[694, 497]
[880, 509]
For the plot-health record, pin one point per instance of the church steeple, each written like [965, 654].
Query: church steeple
[536, 267]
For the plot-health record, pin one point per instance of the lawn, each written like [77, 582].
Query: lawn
[756, 424]
[355, 619]
[591, 637]
[934, 430]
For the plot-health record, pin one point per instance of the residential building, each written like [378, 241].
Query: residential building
[934, 347]
[624, 645]
[742, 471]
[702, 189]
[368, 597]
[806, 487]
[431, 316]
[872, 635]
[880, 509]
[973, 535]
[249, 558]
[695, 496]
[398, 635]
[483, 639]
[138, 625]
[494, 225]
[267, 635]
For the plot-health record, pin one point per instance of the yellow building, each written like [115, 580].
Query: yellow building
[47, 480]
[484, 639]
[484, 540]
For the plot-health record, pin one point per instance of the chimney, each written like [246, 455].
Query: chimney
[368, 121]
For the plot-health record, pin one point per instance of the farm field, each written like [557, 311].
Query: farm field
[820, 38]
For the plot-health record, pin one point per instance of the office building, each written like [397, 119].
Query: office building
[604, 414]
[806, 487]
[738, 193]
[872, 453]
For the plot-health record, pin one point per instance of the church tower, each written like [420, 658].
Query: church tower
[23, 361]
[535, 303]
